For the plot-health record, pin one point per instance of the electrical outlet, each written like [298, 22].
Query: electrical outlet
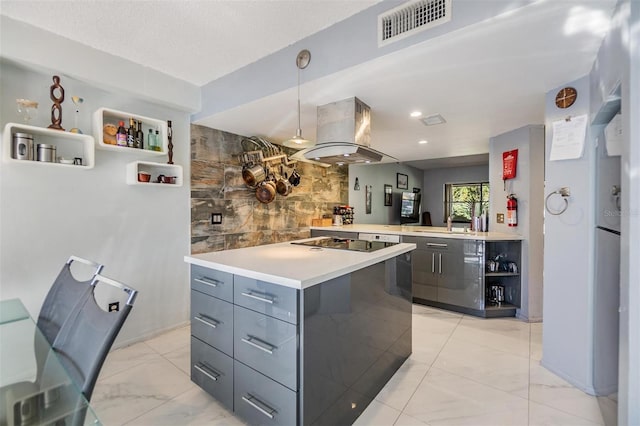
[216, 218]
[114, 306]
[500, 218]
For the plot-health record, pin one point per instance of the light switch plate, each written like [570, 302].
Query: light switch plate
[216, 218]
[500, 218]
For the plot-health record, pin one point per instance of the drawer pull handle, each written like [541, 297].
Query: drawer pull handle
[433, 263]
[250, 341]
[206, 320]
[260, 298]
[269, 412]
[436, 245]
[203, 369]
[208, 281]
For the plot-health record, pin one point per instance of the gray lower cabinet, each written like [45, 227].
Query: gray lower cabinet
[212, 370]
[262, 401]
[451, 273]
[245, 345]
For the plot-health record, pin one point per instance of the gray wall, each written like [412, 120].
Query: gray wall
[377, 175]
[568, 254]
[47, 214]
[434, 181]
[528, 187]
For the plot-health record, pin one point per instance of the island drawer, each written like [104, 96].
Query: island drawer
[212, 371]
[214, 283]
[261, 401]
[267, 345]
[212, 321]
[271, 299]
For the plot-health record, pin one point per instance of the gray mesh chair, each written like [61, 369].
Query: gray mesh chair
[63, 295]
[85, 338]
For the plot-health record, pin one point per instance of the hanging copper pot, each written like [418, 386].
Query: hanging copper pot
[283, 186]
[253, 175]
[266, 192]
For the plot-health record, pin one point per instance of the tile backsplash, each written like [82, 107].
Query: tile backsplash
[217, 187]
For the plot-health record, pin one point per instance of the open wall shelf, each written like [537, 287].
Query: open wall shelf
[104, 116]
[155, 170]
[68, 146]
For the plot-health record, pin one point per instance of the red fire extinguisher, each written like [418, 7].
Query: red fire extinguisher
[512, 210]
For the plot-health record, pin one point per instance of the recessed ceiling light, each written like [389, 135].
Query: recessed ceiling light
[433, 119]
[422, 142]
[345, 155]
[340, 164]
[416, 114]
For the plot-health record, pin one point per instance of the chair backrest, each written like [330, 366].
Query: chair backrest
[87, 335]
[62, 297]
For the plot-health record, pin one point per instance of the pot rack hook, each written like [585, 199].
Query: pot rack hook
[565, 193]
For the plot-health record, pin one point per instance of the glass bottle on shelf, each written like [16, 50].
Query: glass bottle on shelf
[151, 140]
[158, 144]
[131, 133]
[139, 136]
[121, 135]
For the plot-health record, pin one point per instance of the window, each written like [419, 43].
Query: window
[463, 200]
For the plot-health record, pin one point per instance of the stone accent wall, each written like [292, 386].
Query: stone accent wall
[217, 187]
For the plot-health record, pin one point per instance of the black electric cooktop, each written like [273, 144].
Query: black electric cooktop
[345, 244]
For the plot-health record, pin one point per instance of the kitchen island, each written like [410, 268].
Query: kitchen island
[288, 334]
[477, 273]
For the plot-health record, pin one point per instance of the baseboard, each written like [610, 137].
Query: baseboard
[147, 336]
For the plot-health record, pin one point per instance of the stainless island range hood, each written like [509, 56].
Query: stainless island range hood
[343, 135]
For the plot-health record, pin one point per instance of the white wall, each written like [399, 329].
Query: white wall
[434, 181]
[47, 214]
[528, 187]
[377, 175]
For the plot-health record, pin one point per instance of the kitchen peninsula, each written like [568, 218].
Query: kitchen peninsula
[477, 273]
[289, 334]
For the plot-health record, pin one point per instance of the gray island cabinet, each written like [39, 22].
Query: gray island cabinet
[285, 334]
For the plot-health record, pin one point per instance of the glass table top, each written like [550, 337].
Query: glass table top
[34, 387]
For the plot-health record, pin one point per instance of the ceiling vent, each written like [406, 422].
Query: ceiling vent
[411, 18]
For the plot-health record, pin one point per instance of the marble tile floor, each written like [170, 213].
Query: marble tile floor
[463, 371]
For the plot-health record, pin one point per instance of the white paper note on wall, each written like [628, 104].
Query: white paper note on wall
[568, 138]
[613, 136]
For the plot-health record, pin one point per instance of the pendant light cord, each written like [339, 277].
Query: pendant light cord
[299, 98]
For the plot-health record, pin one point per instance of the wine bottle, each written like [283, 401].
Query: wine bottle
[139, 136]
[121, 135]
[131, 133]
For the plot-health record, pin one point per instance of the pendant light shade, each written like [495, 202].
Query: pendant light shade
[298, 142]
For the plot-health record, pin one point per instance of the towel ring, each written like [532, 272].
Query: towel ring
[564, 193]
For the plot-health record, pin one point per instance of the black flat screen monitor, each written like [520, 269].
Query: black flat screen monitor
[410, 207]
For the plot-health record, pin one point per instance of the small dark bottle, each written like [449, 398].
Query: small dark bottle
[131, 133]
[121, 135]
[139, 136]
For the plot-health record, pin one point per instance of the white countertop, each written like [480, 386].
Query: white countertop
[422, 231]
[294, 265]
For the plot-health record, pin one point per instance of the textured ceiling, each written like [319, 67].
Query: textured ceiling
[196, 41]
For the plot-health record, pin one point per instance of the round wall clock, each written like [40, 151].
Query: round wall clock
[566, 97]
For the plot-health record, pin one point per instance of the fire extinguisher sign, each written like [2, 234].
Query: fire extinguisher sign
[509, 164]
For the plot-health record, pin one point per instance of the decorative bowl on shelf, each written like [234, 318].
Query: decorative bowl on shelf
[144, 177]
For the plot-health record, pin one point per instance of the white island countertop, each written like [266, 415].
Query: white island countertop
[422, 231]
[293, 265]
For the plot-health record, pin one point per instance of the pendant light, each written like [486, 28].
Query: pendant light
[298, 142]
